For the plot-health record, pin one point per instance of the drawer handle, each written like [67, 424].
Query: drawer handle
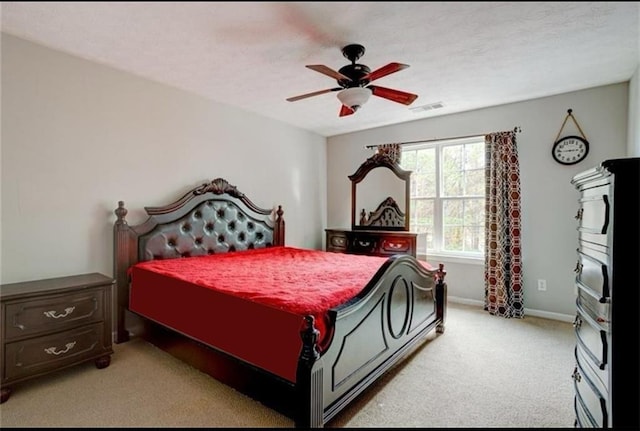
[394, 245]
[52, 350]
[577, 323]
[53, 314]
[576, 375]
[578, 268]
[578, 215]
[364, 243]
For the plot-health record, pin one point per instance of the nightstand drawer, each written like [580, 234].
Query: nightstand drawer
[52, 313]
[41, 354]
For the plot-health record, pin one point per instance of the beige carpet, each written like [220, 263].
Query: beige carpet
[484, 371]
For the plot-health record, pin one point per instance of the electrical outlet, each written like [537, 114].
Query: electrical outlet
[542, 285]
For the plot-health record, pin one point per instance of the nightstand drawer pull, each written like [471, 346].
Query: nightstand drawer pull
[395, 245]
[53, 314]
[52, 350]
[364, 243]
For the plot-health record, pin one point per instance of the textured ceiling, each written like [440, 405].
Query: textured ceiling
[464, 55]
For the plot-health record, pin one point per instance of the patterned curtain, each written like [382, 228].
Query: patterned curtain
[390, 150]
[503, 265]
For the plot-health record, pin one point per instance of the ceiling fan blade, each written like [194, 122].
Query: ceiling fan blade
[315, 93]
[345, 110]
[326, 70]
[385, 70]
[393, 95]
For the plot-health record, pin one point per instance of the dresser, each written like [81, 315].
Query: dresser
[371, 242]
[606, 376]
[51, 324]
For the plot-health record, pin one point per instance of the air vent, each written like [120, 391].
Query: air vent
[429, 107]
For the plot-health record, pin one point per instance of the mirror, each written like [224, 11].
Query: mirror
[380, 195]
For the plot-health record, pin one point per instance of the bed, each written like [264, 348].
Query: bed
[204, 269]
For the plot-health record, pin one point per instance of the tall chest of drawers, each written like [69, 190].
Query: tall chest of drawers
[606, 376]
[52, 324]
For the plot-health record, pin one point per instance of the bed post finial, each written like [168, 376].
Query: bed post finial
[440, 273]
[121, 213]
[278, 231]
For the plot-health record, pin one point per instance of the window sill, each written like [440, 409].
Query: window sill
[434, 258]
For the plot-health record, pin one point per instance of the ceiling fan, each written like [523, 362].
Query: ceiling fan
[353, 80]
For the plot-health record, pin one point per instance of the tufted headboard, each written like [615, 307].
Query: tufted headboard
[212, 218]
[388, 214]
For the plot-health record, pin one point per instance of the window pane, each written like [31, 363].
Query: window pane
[474, 156]
[474, 239]
[452, 170]
[408, 160]
[422, 211]
[452, 238]
[474, 212]
[422, 163]
[475, 183]
[463, 225]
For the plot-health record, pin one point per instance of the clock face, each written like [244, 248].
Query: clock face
[570, 150]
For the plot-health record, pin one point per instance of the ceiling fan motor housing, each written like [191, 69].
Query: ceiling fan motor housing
[355, 73]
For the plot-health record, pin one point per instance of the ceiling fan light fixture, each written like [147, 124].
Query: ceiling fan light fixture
[354, 97]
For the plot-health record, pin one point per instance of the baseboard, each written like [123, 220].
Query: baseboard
[528, 311]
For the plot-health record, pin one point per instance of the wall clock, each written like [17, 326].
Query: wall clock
[570, 150]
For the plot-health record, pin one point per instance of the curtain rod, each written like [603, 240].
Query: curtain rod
[516, 129]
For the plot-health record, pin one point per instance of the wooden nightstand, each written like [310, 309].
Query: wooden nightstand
[51, 324]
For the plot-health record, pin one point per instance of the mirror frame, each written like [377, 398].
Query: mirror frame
[380, 160]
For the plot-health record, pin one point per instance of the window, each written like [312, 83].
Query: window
[447, 196]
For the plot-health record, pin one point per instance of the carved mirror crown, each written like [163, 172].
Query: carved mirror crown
[380, 192]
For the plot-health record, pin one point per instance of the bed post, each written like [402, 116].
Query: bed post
[309, 412]
[441, 298]
[123, 250]
[278, 230]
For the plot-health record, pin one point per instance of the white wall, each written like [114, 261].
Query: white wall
[77, 137]
[549, 201]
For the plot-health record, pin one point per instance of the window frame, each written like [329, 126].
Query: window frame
[438, 207]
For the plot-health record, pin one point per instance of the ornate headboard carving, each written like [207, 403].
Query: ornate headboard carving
[212, 218]
[387, 214]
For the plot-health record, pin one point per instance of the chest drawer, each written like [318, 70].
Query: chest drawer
[592, 338]
[590, 403]
[594, 306]
[41, 354]
[593, 275]
[52, 313]
[593, 216]
[597, 376]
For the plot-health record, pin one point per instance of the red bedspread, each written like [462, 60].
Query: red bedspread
[249, 303]
[300, 281]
